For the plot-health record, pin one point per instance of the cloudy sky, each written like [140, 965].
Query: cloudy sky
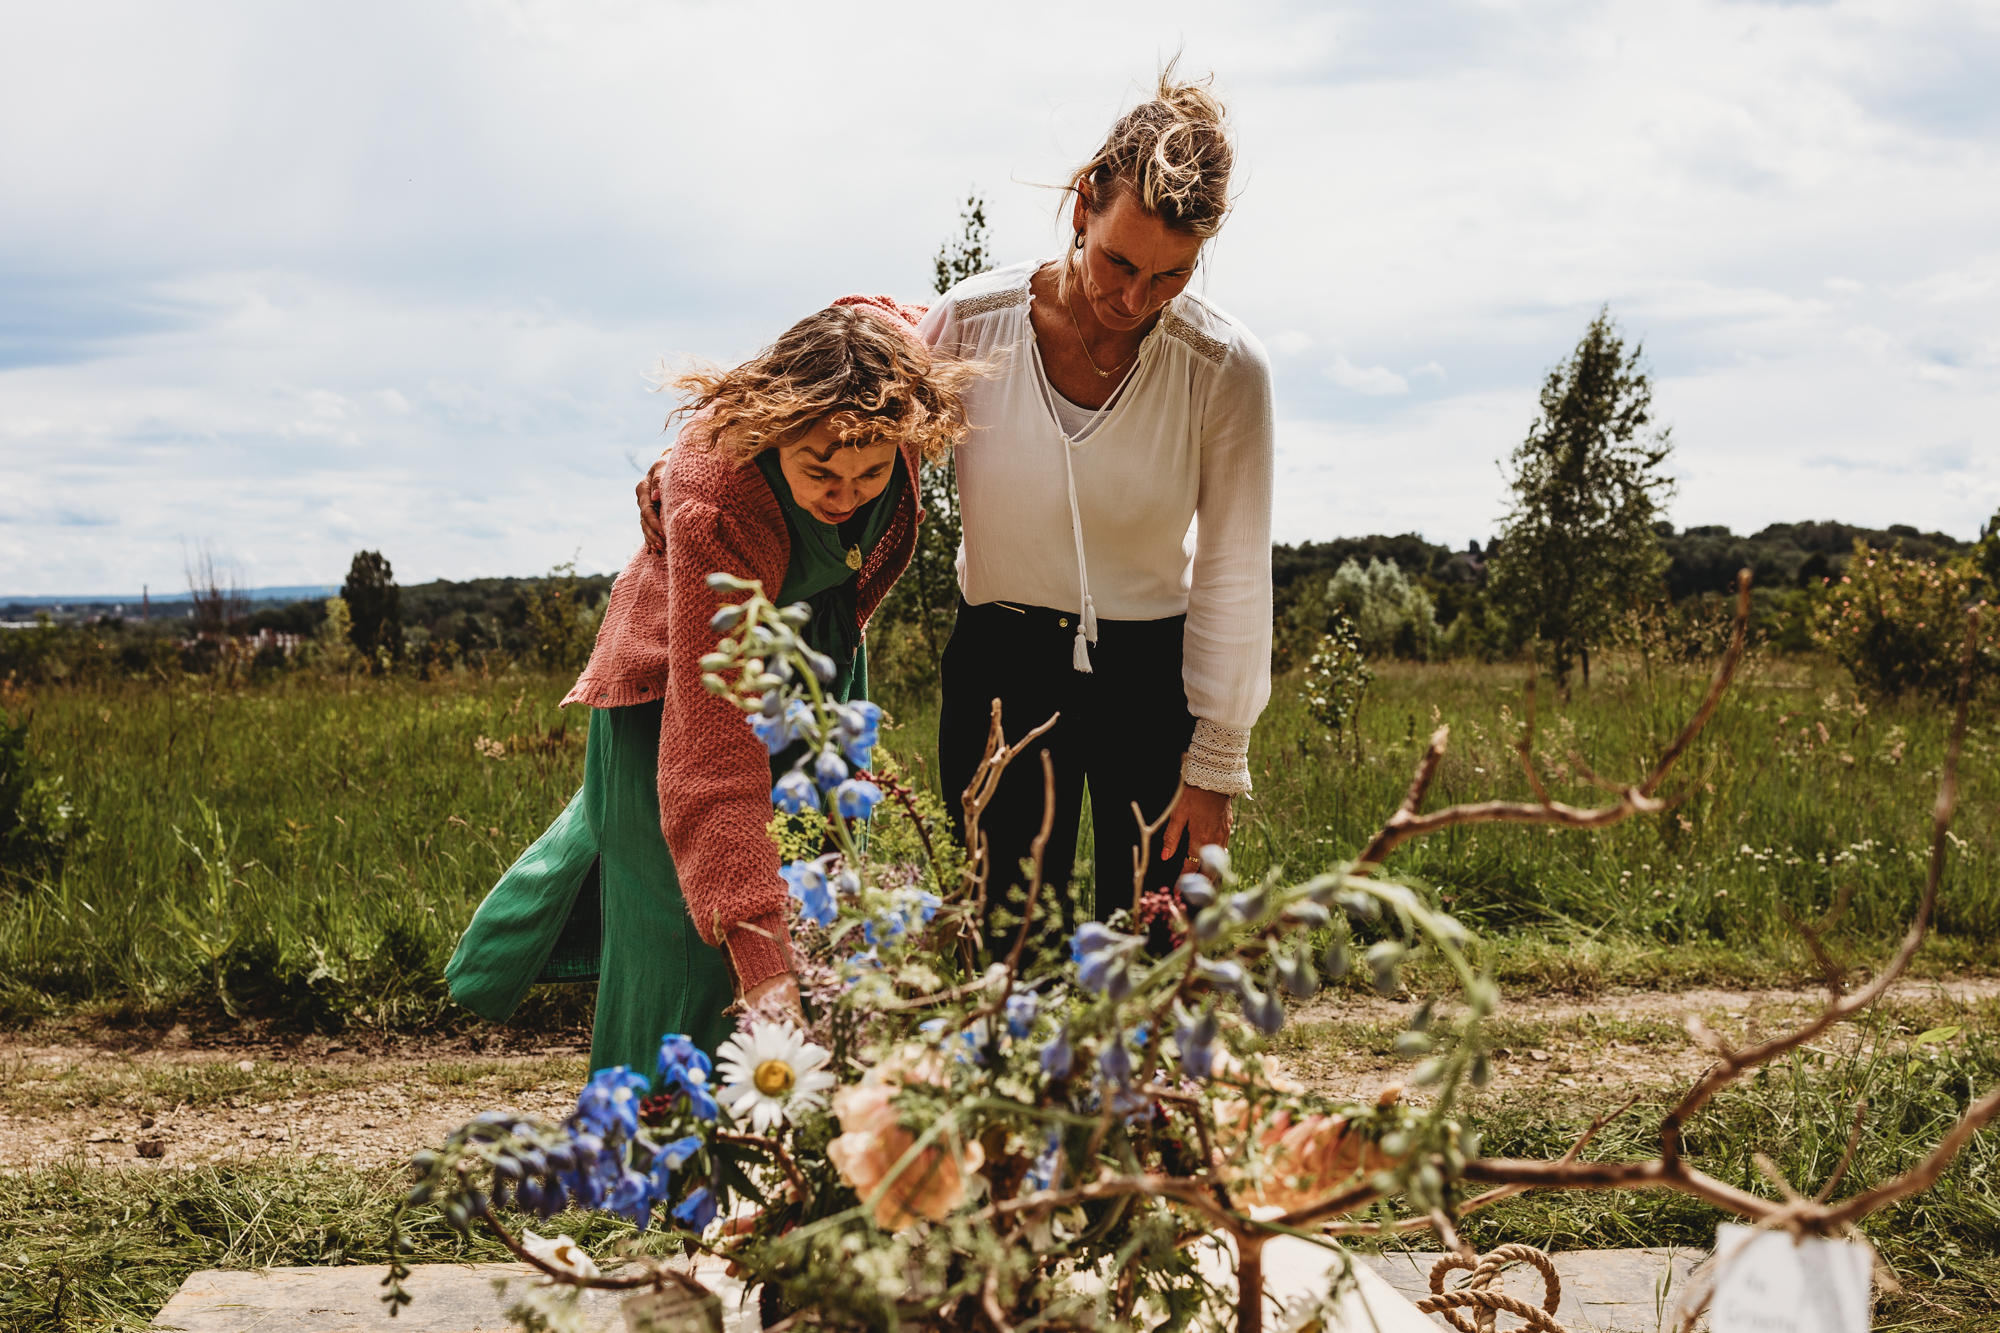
[292, 280]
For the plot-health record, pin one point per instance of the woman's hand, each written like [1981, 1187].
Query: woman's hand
[784, 989]
[1204, 816]
[652, 527]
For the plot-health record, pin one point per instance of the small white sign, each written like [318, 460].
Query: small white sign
[1765, 1282]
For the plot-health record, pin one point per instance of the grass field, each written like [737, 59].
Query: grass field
[309, 851]
[305, 853]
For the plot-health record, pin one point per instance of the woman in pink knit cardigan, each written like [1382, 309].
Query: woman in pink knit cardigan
[796, 470]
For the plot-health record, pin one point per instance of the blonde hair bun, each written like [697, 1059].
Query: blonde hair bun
[1173, 153]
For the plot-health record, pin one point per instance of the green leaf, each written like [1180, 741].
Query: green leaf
[1937, 1035]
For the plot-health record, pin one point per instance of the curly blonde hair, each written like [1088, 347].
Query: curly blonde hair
[839, 361]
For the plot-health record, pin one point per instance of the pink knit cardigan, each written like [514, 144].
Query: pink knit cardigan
[715, 775]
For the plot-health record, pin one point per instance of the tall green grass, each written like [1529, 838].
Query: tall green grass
[309, 850]
[1798, 794]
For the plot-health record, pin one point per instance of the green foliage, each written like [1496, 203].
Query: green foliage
[1336, 679]
[1986, 557]
[563, 620]
[1705, 558]
[40, 823]
[1898, 625]
[1579, 544]
[375, 606]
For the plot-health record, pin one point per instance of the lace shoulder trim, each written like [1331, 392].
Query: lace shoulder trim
[987, 304]
[1209, 349]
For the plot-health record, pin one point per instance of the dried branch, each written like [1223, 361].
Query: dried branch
[1145, 847]
[1735, 1062]
[655, 1275]
[979, 794]
[777, 1151]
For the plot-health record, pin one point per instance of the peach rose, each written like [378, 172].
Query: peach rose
[871, 1143]
[1305, 1159]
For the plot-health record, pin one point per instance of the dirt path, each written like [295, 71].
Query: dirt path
[167, 1104]
[1621, 1043]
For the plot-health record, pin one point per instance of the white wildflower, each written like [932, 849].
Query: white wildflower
[771, 1073]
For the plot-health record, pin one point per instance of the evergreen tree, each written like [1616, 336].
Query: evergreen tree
[1579, 541]
[374, 605]
[923, 606]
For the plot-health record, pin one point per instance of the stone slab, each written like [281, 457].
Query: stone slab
[1603, 1291]
[446, 1298]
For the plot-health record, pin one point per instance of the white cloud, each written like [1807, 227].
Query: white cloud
[1375, 381]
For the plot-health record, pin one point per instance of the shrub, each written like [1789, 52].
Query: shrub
[1897, 624]
[1391, 616]
[40, 824]
[1336, 679]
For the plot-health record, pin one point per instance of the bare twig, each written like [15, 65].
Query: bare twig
[979, 794]
[777, 1151]
[1145, 847]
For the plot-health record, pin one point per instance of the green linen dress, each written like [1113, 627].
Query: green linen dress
[597, 897]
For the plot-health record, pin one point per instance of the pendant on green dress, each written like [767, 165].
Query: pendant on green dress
[854, 557]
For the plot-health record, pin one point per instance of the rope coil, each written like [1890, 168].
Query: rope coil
[1480, 1296]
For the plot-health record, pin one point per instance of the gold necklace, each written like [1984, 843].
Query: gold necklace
[1101, 374]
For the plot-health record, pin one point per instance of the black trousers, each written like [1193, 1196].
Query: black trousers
[1123, 729]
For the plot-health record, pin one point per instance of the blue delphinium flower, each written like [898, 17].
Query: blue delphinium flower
[927, 905]
[1042, 1171]
[1264, 1010]
[1103, 957]
[680, 1152]
[1116, 1062]
[856, 798]
[1196, 889]
[1021, 1011]
[829, 770]
[631, 1198]
[608, 1106]
[671, 1158]
[697, 1210]
[1091, 937]
[685, 1067]
[1058, 1056]
[779, 721]
[1224, 975]
[860, 724]
[794, 794]
[1196, 1037]
[809, 886]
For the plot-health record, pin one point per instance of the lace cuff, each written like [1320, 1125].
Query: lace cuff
[1218, 759]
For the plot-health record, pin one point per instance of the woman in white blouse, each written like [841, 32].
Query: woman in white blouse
[1115, 489]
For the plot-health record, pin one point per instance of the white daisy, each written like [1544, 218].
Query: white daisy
[770, 1073]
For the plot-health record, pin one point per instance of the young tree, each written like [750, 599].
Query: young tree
[1579, 540]
[375, 606]
[924, 603]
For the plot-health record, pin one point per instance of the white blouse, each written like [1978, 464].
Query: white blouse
[1170, 486]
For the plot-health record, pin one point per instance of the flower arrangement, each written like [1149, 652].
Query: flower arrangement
[963, 1139]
